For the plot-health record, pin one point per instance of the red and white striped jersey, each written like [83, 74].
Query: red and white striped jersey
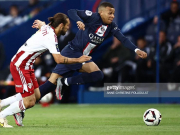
[42, 40]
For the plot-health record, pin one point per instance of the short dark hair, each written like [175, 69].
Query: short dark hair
[174, 2]
[106, 4]
[14, 6]
[58, 19]
[141, 38]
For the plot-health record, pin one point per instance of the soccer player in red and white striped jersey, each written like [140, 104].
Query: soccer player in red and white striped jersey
[21, 66]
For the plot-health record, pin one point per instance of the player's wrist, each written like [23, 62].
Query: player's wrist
[137, 49]
[78, 60]
[79, 22]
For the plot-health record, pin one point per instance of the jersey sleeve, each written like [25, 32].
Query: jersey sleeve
[51, 44]
[124, 40]
[114, 28]
[80, 15]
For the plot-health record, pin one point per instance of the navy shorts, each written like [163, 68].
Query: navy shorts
[67, 70]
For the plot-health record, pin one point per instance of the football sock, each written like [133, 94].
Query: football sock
[17, 106]
[10, 100]
[85, 78]
[46, 88]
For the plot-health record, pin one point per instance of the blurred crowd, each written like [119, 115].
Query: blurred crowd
[18, 14]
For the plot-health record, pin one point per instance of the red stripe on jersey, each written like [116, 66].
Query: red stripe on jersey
[105, 31]
[54, 35]
[97, 29]
[55, 38]
[17, 56]
[53, 28]
[23, 63]
[34, 60]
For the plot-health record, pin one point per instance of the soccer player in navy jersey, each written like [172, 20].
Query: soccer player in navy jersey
[94, 28]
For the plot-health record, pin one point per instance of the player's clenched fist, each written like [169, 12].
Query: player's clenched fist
[141, 54]
[84, 58]
[37, 24]
[80, 25]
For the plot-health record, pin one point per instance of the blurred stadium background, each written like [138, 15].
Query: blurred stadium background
[154, 26]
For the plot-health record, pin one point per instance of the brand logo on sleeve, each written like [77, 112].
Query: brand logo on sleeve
[88, 13]
[115, 28]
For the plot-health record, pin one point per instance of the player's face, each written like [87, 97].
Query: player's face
[64, 28]
[107, 15]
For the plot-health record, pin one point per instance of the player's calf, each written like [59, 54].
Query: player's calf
[29, 101]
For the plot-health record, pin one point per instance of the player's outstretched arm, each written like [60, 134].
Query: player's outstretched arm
[127, 43]
[38, 24]
[65, 60]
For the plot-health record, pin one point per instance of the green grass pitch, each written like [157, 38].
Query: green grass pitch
[95, 120]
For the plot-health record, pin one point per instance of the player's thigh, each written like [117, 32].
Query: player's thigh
[54, 77]
[89, 67]
[35, 85]
[22, 80]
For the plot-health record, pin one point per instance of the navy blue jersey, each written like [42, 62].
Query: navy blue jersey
[95, 32]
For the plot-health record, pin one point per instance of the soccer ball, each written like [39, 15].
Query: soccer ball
[152, 117]
[47, 98]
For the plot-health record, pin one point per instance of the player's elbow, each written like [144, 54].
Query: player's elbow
[58, 58]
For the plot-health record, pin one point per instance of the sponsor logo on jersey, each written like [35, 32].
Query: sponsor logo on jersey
[19, 86]
[88, 13]
[95, 39]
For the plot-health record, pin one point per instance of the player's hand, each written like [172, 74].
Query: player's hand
[141, 54]
[84, 58]
[38, 24]
[80, 25]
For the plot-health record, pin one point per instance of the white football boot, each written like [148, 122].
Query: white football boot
[4, 123]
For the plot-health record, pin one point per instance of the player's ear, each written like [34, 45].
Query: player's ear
[100, 10]
[61, 25]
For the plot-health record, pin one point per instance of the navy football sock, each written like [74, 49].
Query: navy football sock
[86, 78]
[46, 88]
